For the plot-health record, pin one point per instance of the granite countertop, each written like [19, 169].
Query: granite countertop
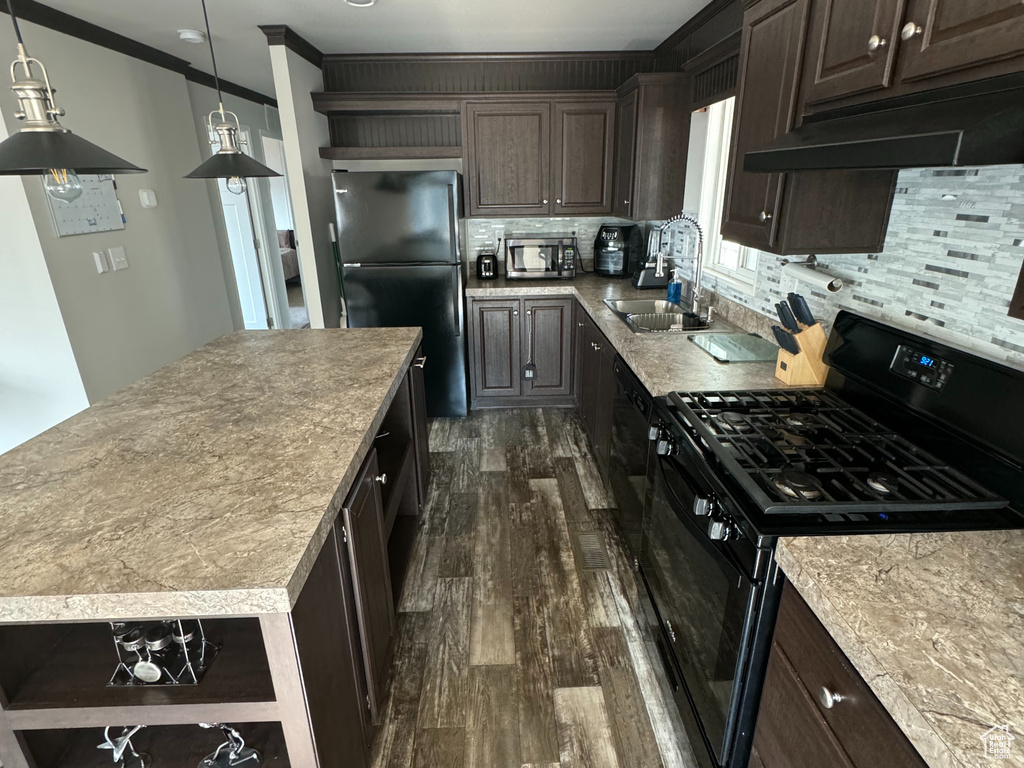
[935, 625]
[204, 489]
[663, 362]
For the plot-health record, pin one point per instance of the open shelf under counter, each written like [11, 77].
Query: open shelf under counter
[175, 746]
[56, 676]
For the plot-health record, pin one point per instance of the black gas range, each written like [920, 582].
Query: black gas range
[908, 435]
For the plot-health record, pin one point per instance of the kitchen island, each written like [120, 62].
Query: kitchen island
[208, 490]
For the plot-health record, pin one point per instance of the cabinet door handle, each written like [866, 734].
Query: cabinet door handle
[671, 632]
[626, 202]
[764, 217]
[545, 201]
[875, 42]
[559, 201]
[529, 312]
[382, 478]
[829, 698]
[579, 325]
[515, 313]
[419, 362]
[910, 29]
[597, 347]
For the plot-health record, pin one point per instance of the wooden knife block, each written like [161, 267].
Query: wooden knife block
[807, 368]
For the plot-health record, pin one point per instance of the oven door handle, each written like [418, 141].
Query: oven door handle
[684, 513]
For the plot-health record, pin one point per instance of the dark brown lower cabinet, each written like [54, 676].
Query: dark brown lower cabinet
[505, 335]
[816, 710]
[596, 361]
[362, 533]
[421, 429]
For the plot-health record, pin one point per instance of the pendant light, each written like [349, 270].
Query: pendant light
[44, 147]
[228, 162]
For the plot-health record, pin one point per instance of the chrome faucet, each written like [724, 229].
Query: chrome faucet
[696, 294]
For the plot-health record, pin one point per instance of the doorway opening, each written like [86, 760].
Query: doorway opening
[273, 155]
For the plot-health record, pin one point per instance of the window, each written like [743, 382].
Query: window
[724, 259]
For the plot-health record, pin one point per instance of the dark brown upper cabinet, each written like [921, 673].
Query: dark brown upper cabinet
[857, 47]
[944, 36]
[583, 147]
[771, 55]
[540, 158]
[653, 128]
[792, 213]
[508, 154]
[867, 50]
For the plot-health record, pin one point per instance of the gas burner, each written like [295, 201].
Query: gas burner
[731, 421]
[883, 483]
[797, 485]
[796, 419]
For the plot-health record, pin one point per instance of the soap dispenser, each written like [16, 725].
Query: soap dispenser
[675, 287]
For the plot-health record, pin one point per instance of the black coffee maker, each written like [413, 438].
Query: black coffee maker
[618, 250]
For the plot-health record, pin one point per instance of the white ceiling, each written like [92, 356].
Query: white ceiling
[392, 26]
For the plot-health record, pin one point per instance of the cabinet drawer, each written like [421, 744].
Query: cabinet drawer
[863, 727]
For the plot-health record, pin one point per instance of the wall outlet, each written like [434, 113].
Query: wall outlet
[147, 197]
[102, 265]
[118, 258]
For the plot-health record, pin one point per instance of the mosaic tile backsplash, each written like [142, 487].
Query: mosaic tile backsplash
[948, 269]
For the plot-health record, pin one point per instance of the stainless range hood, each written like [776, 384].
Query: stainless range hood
[940, 128]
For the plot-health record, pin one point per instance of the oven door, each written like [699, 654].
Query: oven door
[706, 601]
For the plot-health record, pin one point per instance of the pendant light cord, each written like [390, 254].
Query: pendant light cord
[14, 18]
[213, 56]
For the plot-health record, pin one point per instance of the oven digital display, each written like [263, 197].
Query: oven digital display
[930, 371]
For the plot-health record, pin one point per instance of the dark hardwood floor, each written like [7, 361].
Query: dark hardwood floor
[510, 653]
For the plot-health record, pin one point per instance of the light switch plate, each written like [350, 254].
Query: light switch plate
[147, 197]
[102, 265]
[118, 258]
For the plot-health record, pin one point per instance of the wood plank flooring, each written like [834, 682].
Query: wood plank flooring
[509, 653]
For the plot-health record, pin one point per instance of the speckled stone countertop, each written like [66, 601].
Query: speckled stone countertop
[663, 362]
[204, 489]
[935, 625]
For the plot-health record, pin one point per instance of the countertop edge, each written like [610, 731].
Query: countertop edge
[925, 739]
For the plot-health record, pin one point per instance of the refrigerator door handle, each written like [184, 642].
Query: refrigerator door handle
[453, 224]
[457, 303]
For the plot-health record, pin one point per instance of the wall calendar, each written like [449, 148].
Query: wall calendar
[97, 210]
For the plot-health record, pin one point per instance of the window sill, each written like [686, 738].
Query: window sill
[732, 280]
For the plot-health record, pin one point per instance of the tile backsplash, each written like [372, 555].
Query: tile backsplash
[482, 233]
[948, 269]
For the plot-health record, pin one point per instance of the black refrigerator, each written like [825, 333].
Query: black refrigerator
[398, 240]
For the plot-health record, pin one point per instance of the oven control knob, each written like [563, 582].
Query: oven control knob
[702, 507]
[653, 433]
[720, 530]
[665, 447]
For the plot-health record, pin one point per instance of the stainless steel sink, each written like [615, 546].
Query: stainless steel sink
[656, 316]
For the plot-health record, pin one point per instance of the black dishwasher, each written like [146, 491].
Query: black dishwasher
[627, 468]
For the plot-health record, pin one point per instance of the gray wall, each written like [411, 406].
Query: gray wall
[172, 298]
[39, 381]
[948, 269]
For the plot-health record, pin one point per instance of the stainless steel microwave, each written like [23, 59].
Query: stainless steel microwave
[540, 257]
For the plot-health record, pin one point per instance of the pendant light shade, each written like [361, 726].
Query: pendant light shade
[42, 146]
[31, 153]
[228, 162]
[224, 165]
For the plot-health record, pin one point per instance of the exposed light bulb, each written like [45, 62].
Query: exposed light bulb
[236, 185]
[361, 3]
[62, 185]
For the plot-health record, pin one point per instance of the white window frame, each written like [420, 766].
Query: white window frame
[712, 200]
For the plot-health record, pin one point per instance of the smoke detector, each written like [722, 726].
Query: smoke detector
[193, 36]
